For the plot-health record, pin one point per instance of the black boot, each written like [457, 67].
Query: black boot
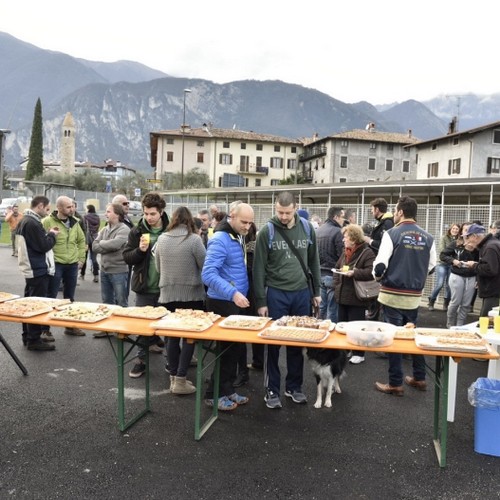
[241, 379]
[446, 303]
[431, 305]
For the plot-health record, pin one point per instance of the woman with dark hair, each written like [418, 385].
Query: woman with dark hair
[110, 242]
[179, 257]
[91, 223]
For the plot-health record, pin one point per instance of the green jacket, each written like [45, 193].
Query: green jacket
[70, 244]
[278, 267]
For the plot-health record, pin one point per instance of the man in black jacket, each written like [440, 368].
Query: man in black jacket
[36, 262]
[330, 246]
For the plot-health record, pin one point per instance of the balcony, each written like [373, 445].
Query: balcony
[311, 153]
[307, 175]
[253, 170]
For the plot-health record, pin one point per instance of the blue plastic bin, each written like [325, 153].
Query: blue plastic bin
[487, 416]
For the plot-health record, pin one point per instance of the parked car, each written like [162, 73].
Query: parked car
[135, 209]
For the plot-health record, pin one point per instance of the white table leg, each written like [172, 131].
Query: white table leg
[452, 389]
[494, 365]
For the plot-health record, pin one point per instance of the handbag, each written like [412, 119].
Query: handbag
[365, 290]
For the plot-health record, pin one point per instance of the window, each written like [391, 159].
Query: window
[170, 141]
[291, 164]
[372, 163]
[373, 145]
[244, 163]
[344, 143]
[496, 136]
[258, 161]
[276, 162]
[343, 162]
[258, 147]
[170, 156]
[225, 159]
[406, 166]
[243, 145]
[390, 149]
[342, 179]
[277, 149]
[455, 141]
[258, 182]
[225, 144]
[201, 144]
[493, 166]
[199, 157]
[388, 165]
[294, 149]
[275, 182]
[434, 146]
[454, 166]
[432, 169]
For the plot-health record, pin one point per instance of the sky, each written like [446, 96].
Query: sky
[382, 51]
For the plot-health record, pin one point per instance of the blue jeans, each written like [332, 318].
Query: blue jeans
[328, 308]
[442, 276]
[114, 288]
[68, 274]
[400, 317]
[281, 303]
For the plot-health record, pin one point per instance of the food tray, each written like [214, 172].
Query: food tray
[465, 342]
[44, 300]
[405, 334]
[294, 334]
[308, 322]
[244, 322]
[341, 327]
[186, 324]
[82, 312]
[7, 296]
[141, 312]
[24, 309]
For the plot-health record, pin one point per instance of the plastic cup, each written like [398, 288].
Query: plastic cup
[147, 238]
[345, 269]
[496, 324]
[483, 324]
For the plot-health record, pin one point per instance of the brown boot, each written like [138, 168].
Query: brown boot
[182, 386]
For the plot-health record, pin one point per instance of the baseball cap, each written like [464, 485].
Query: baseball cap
[475, 229]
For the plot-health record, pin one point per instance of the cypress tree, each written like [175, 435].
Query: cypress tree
[35, 156]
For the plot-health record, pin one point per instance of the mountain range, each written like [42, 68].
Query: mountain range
[116, 105]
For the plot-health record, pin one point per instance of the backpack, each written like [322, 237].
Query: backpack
[305, 225]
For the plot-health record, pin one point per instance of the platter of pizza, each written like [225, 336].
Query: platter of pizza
[294, 334]
[183, 323]
[141, 312]
[406, 332]
[440, 339]
[196, 313]
[305, 322]
[84, 312]
[24, 308]
[244, 322]
[7, 296]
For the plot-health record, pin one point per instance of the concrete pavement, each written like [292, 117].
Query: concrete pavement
[59, 437]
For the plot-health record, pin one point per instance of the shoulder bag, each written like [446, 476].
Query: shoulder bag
[365, 290]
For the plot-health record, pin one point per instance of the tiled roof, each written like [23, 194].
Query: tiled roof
[224, 133]
[374, 136]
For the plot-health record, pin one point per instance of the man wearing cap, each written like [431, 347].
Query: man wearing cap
[406, 255]
[488, 267]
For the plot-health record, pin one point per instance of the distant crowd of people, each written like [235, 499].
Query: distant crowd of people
[221, 262]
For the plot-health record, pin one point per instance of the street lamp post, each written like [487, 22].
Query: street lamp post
[3, 133]
[186, 91]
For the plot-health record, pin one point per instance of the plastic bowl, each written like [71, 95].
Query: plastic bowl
[370, 333]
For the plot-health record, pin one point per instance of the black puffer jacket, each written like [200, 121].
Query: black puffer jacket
[362, 263]
[456, 251]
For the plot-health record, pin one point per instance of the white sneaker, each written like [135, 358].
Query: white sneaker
[356, 360]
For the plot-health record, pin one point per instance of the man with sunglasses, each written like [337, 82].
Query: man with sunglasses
[488, 267]
[122, 200]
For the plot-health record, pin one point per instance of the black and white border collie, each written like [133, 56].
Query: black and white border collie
[328, 366]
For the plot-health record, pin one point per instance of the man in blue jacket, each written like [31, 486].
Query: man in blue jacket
[225, 275]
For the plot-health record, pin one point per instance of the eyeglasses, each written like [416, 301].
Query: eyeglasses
[126, 203]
